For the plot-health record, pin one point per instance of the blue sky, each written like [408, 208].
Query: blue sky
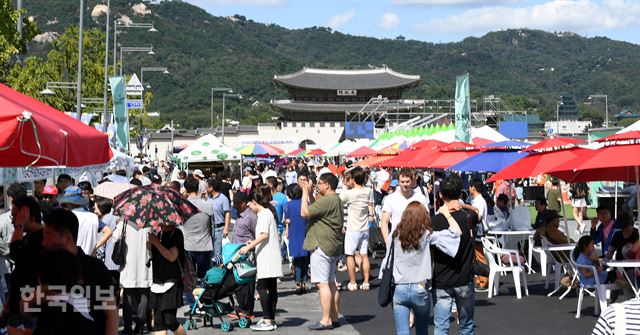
[441, 20]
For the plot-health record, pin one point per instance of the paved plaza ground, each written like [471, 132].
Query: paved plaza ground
[501, 315]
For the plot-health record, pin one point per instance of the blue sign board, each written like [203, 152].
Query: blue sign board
[514, 129]
[131, 104]
[355, 130]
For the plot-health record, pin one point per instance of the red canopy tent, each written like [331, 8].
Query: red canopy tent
[296, 152]
[556, 142]
[626, 136]
[316, 152]
[33, 133]
[538, 163]
[443, 158]
[362, 152]
[610, 163]
[423, 148]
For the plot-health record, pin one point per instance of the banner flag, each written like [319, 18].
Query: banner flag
[463, 109]
[121, 118]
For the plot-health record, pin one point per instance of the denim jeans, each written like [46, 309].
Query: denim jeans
[464, 298]
[301, 268]
[217, 241]
[284, 247]
[409, 297]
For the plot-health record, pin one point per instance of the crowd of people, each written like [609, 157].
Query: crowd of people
[315, 217]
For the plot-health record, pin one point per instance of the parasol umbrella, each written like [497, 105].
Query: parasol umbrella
[261, 149]
[444, 157]
[537, 163]
[609, 163]
[632, 135]
[315, 152]
[33, 133]
[153, 206]
[297, 153]
[375, 160]
[423, 148]
[489, 161]
[110, 190]
[556, 142]
[362, 152]
[613, 162]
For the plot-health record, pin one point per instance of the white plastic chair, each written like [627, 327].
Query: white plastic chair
[492, 251]
[599, 291]
[560, 264]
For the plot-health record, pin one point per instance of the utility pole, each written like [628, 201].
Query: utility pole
[79, 88]
[105, 122]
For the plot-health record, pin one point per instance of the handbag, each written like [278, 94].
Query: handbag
[387, 284]
[119, 255]
[187, 272]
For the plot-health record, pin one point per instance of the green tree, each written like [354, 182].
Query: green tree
[11, 43]
[61, 65]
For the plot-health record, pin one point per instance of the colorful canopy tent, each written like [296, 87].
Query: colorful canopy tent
[297, 153]
[33, 133]
[260, 149]
[344, 147]
[208, 149]
[363, 151]
[315, 152]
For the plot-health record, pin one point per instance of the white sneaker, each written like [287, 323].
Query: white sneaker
[263, 325]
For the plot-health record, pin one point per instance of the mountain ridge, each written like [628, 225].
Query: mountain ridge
[529, 68]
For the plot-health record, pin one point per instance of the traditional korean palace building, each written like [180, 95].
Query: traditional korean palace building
[328, 95]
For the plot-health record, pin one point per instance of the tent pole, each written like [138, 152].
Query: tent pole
[564, 214]
[637, 194]
[615, 202]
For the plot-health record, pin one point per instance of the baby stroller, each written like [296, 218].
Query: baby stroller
[222, 282]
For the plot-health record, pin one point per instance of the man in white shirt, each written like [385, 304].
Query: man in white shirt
[396, 202]
[359, 214]
[325, 169]
[73, 200]
[202, 184]
[478, 202]
[380, 178]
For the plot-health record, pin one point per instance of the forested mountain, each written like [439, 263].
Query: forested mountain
[528, 68]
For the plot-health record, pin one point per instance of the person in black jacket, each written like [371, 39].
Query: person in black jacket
[26, 244]
[453, 277]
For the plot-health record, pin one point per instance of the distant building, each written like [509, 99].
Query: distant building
[329, 94]
[567, 109]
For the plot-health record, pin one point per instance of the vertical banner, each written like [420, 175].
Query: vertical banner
[121, 118]
[463, 109]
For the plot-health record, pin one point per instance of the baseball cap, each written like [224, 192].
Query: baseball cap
[198, 172]
[50, 189]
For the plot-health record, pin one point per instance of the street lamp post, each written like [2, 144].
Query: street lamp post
[105, 122]
[224, 95]
[148, 50]
[164, 70]
[116, 25]
[217, 89]
[606, 107]
[79, 81]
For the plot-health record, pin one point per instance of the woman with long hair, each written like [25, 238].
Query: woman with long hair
[268, 259]
[412, 265]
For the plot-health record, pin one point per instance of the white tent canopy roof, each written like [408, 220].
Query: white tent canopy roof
[208, 149]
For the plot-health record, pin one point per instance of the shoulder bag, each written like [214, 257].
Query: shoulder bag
[119, 255]
[387, 284]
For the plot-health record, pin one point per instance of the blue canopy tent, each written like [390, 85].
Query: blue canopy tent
[489, 161]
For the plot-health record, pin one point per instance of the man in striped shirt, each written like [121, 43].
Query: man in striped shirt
[621, 318]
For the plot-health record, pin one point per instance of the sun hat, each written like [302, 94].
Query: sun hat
[73, 195]
[50, 189]
[198, 173]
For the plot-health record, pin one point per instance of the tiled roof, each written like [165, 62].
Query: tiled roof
[324, 79]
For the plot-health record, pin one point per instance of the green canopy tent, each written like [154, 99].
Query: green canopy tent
[207, 150]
